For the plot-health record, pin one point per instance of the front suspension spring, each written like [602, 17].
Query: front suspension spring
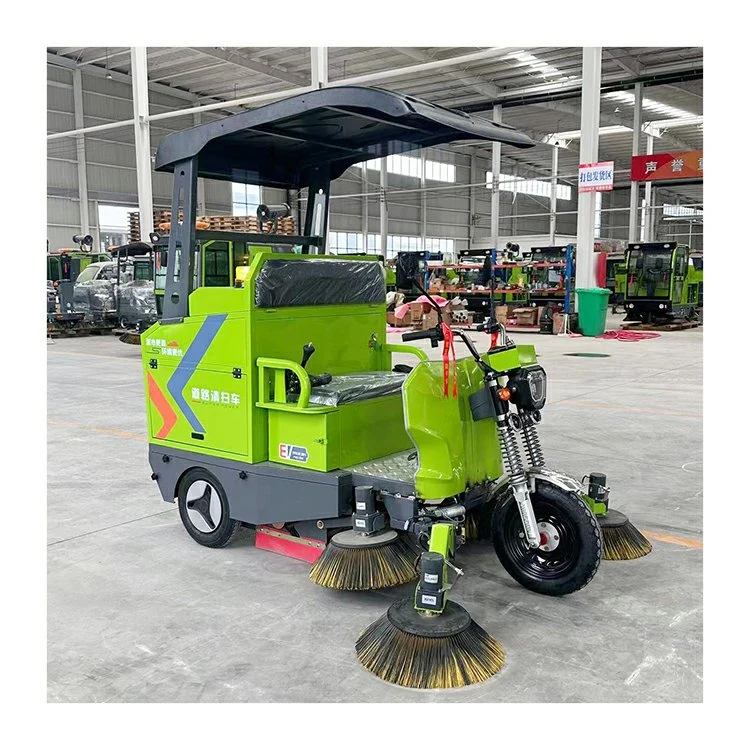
[511, 453]
[531, 441]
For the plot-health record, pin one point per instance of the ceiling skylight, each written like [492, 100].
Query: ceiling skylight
[538, 67]
[649, 104]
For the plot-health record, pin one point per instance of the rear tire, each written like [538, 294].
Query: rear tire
[571, 533]
[204, 509]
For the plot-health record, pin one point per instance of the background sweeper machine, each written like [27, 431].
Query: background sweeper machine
[275, 403]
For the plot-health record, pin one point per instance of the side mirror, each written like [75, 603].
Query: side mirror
[407, 270]
[154, 237]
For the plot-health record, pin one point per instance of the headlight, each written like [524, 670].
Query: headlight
[528, 387]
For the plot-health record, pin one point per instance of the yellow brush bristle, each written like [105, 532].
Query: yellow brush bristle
[624, 543]
[420, 662]
[366, 569]
[471, 526]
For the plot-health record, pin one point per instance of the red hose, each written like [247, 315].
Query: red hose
[628, 335]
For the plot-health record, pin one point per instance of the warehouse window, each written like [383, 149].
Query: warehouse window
[114, 225]
[411, 166]
[440, 245]
[672, 209]
[245, 199]
[543, 188]
[345, 242]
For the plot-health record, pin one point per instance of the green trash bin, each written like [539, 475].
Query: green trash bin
[592, 310]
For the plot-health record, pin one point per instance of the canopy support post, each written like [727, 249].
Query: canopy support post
[181, 249]
[316, 215]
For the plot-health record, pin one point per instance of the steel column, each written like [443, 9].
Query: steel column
[634, 185]
[646, 217]
[383, 207]
[201, 195]
[142, 140]
[472, 195]
[497, 116]
[319, 66]
[83, 184]
[423, 208]
[553, 195]
[589, 153]
[365, 207]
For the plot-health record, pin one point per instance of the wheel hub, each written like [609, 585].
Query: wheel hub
[549, 536]
[203, 506]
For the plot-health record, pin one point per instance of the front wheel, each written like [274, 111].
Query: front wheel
[571, 542]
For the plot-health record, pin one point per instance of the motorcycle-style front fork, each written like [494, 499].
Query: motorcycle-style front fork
[513, 464]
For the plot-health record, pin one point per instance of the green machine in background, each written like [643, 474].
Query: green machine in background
[66, 264]
[275, 403]
[662, 283]
[616, 280]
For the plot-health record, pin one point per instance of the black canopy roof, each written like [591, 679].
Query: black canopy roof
[280, 144]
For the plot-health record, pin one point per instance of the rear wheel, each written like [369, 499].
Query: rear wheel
[204, 509]
[571, 544]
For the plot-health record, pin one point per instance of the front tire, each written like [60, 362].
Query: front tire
[204, 509]
[570, 533]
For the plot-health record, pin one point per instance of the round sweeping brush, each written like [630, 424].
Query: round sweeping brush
[621, 540]
[355, 562]
[131, 337]
[477, 526]
[441, 651]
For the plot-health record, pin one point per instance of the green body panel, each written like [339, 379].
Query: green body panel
[339, 437]
[443, 540]
[346, 338]
[455, 452]
[224, 417]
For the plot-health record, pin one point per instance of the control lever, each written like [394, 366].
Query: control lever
[292, 381]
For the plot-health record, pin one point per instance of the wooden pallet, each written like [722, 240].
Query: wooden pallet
[244, 224]
[677, 325]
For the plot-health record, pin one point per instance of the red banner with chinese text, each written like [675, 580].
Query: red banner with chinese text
[678, 165]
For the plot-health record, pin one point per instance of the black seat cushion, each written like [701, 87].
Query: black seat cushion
[357, 386]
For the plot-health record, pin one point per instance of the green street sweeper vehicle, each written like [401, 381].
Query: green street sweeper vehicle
[662, 283]
[275, 402]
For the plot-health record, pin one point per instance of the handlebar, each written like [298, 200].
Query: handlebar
[436, 334]
[416, 335]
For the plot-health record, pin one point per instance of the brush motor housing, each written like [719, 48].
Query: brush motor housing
[430, 593]
[597, 489]
[366, 519]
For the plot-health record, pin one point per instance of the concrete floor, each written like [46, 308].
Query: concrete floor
[138, 612]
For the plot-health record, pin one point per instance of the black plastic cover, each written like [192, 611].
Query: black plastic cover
[298, 283]
[356, 386]
[282, 144]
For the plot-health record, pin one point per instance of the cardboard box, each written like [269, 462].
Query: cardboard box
[501, 313]
[416, 312]
[430, 318]
[526, 316]
[558, 320]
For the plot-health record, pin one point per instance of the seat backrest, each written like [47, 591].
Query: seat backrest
[295, 283]
[338, 305]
